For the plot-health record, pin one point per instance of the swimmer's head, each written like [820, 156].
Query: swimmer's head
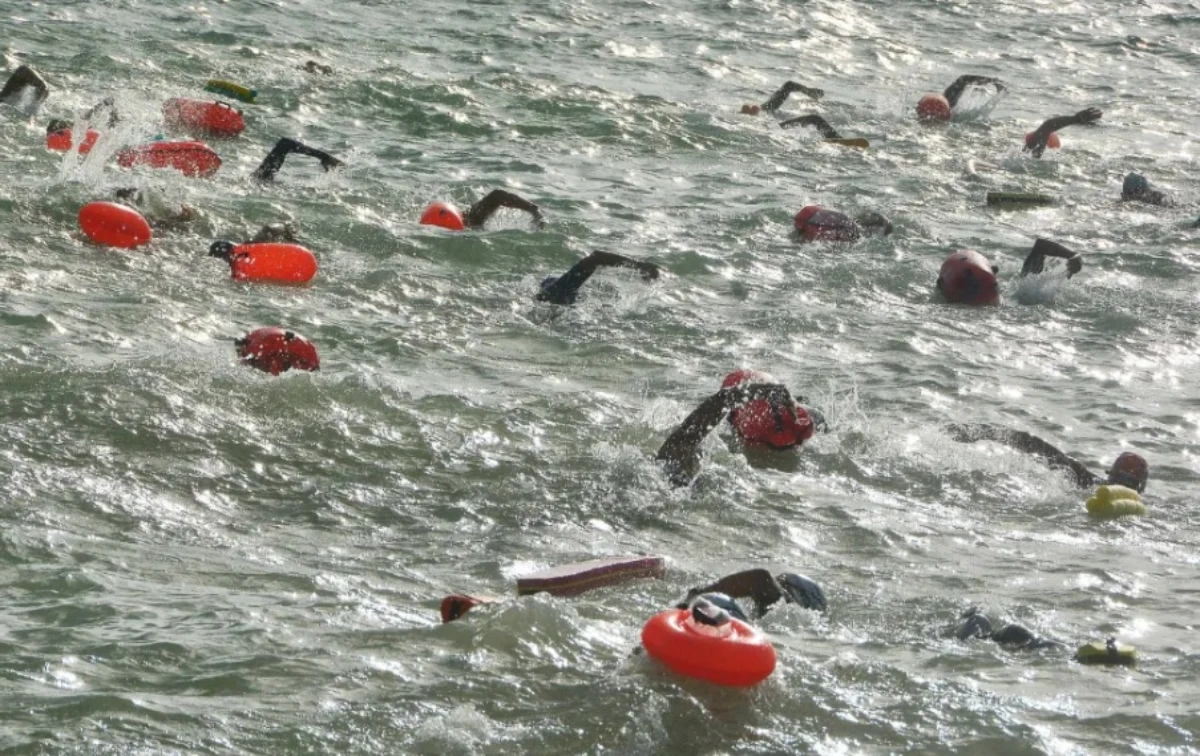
[933, 108]
[874, 224]
[1129, 470]
[724, 603]
[456, 606]
[706, 612]
[1052, 141]
[751, 110]
[802, 590]
[221, 249]
[1136, 187]
[443, 215]
[802, 218]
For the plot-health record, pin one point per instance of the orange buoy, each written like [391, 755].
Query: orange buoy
[274, 350]
[966, 277]
[755, 422]
[933, 107]
[61, 141]
[445, 215]
[267, 262]
[742, 657]
[189, 158]
[114, 225]
[202, 119]
[1053, 142]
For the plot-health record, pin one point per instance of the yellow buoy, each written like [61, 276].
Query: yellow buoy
[1110, 653]
[230, 89]
[1115, 501]
[856, 143]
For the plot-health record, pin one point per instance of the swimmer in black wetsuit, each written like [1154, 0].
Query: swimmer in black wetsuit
[447, 216]
[815, 223]
[274, 160]
[314, 67]
[776, 100]
[762, 588]
[978, 625]
[680, 453]
[160, 215]
[1035, 261]
[562, 290]
[1137, 189]
[935, 107]
[1036, 142]
[1129, 469]
[22, 79]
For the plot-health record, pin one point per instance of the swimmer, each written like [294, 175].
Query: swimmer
[22, 80]
[817, 122]
[158, 213]
[1129, 469]
[447, 216]
[978, 625]
[274, 160]
[313, 67]
[776, 100]
[762, 588]
[1137, 189]
[935, 107]
[788, 426]
[562, 290]
[966, 277]
[815, 223]
[1037, 141]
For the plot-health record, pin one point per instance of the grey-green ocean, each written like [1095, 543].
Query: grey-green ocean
[199, 558]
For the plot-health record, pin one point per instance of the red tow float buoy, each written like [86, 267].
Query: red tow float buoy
[189, 158]
[114, 225]
[267, 262]
[743, 657]
[202, 119]
[966, 277]
[934, 108]
[274, 350]
[61, 141]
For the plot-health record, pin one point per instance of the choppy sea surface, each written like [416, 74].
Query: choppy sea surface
[198, 558]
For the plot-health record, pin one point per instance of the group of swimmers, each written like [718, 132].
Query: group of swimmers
[762, 413]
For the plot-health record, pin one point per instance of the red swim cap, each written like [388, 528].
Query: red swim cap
[274, 350]
[755, 422]
[443, 214]
[933, 107]
[815, 223]
[966, 277]
[805, 214]
[1130, 470]
[1053, 142]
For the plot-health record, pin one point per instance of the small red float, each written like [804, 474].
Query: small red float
[189, 158]
[267, 262]
[61, 141]
[933, 107]
[114, 225]
[966, 277]
[202, 119]
[274, 350]
[445, 215]
[743, 657]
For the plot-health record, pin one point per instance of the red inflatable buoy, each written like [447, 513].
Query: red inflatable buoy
[267, 262]
[743, 657]
[967, 277]
[61, 141]
[189, 158]
[933, 107]
[815, 223]
[202, 119]
[114, 225]
[274, 350]
[755, 422]
[443, 214]
[1052, 141]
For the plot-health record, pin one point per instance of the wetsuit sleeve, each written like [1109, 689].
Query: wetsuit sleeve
[1030, 444]
[284, 147]
[104, 106]
[776, 100]
[757, 585]
[563, 290]
[1043, 248]
[816, 121]
[955, 90]
[22, 78]
[478, 214]
[680, 453]
[1037, 141]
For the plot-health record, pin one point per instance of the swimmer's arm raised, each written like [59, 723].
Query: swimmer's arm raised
[955, 90]
[1043, 248]
[816, 121]
[776, 100]
[274, 160]
[563, 290]
[758, 585]
[1028, 443]
[24, 77]
[680, 452]
[1037, 141]
[478, 214]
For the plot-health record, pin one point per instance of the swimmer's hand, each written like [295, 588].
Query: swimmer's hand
[648, 270]
[1074, 264]
[1090, 115]
[1037, 141]
[329, 162]
[539, 220]
[811, 92]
